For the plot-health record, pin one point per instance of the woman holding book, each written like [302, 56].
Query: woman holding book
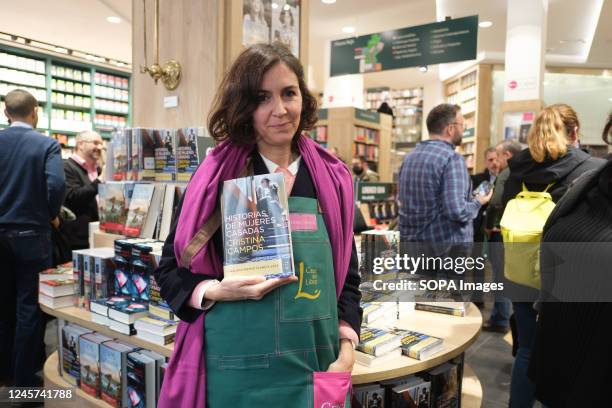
[248, 341]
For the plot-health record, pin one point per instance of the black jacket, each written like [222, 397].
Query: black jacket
[81, 200]
[177, 284]
[536, 176]
[571, 363]
[477, 179]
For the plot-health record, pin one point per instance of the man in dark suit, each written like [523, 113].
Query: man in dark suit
[82, 181]
[31, 193]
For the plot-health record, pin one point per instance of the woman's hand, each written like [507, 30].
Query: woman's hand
[346, 358]
[243, 288]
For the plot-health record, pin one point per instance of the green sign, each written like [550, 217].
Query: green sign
[373, 191]
[468, 132]
[368, 116]
[322, 114]
[434, 43]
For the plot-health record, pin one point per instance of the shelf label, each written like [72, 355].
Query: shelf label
[369, 116]
[170, 101]
[428, 44]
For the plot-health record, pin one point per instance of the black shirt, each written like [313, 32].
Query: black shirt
[177, 283]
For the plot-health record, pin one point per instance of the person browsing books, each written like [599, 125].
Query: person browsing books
[239, 335]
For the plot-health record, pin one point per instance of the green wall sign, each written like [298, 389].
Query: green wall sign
[373, 191]
[368, 116]
[434, 43]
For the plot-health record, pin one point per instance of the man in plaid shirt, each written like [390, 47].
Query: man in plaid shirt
[435, 192]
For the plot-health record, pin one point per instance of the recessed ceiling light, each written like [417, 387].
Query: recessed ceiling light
[348, 29]
[274, 5]
[286, 7]
[62, 50]
[328, 1]
[485, 24]
[113, 19]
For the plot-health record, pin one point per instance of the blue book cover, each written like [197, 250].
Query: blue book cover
[140, 380]
[256, 233]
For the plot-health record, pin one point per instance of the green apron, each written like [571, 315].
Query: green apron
[263, 353]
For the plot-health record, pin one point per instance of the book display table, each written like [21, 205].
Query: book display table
[459, 333]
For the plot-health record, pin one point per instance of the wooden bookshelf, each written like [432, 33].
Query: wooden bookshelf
[353, 131]
[472, 90]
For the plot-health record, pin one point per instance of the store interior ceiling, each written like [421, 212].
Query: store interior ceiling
[578, 32]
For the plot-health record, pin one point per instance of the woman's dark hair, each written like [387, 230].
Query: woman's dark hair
[606, 132]
[231, 115]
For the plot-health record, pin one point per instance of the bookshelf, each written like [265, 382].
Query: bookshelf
[472, 90]
[356, 132]
[72, 96]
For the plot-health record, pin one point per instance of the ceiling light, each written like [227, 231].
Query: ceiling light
[485, 24]
[274, 5]
[610, 99]
[423, 68]
[62, 50]
[113, 19]
[328, 1]
[120, 64]
[348, 29]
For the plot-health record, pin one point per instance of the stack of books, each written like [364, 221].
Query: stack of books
[418, 345]
[377, 346]
[449, 308]
[56, 293]
[156, 330]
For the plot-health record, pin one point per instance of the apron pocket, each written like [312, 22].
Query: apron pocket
[244, 363]
[332, 390]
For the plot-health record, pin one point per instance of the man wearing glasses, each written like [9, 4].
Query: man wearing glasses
[435, 193]
[82, 178]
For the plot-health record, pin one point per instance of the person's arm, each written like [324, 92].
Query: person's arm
[54, 174]
[455, 184]
[78, 196]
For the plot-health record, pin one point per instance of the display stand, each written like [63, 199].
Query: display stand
[459, 333]
[353, 131]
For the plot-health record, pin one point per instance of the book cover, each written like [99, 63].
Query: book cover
[153, 213]
[139, 207]
[71, 366]
[418, 345]
[377, 341]
[77, 276]
[440, 309]
[256, 234]
[135, 155]
[159, 361]
[104, 266]
[445, 385]
[127, 313]
[113, 205]
[165, 155]
[162, 311]
[205, 145]
[142, 271]
[120, 154]
[89, 347]
[379, 311]
[88, 279]
[167, 213]
[140, 380]
[147, 140]
[113, 381]
[370, 396]
[416, 393]
[156, 325]
[186, 153]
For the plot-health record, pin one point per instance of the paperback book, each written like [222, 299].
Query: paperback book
[127, 313]
[113, 367]
[70, 357]
[141, 380]
[139, 208]
[445, 385]
[256, 234]
[113, 205]
[89, 347]
[378, 341]
[418, 345]
[415, 393]
[165, 155]
[186, 153]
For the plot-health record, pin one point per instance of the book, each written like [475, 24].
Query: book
[123, 328]
[161, 340]
[113, 205]
[159, 361]
[379, 311]
[370, 396]
[89, 347]
[377, 342]
[55, 274]
[113, 367]
[149, 229]
[139, 208]
[88, 278]
[55, 302]
[147, 139]
[433, 307]
[167, 213]
[156, 325]
[57, 288]
[127, 313]
[415, 393]
[70, 366]
[418, 345]
[100, 319]
[104, 266]
[369, 360]
[186, 153]
[157, 305]
[256, 235]
[205, 144]
[165, 155]
[141, 380]
[445, 385]
[77, 276]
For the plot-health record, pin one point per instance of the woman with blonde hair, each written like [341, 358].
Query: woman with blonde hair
[552, 161]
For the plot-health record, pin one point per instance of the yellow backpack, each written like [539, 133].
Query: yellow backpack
[522, 225]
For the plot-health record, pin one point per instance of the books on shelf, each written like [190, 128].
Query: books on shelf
[377, 342]
[123, 328]
[113, 205]
[256, 235]
[55, 302]
[161, 340]
[70, 366]
[127, 313]
[141, 380]
[57, 288]
[156, 325]
[59, 273]
[413, 393]
[370, 396]
[165, 155]
[113, 369]
[445, 385]
[159, 362]
[187, 152]
[418, 345]
[90, 362]
[449, 308]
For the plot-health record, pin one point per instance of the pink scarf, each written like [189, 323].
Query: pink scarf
[185, 380]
